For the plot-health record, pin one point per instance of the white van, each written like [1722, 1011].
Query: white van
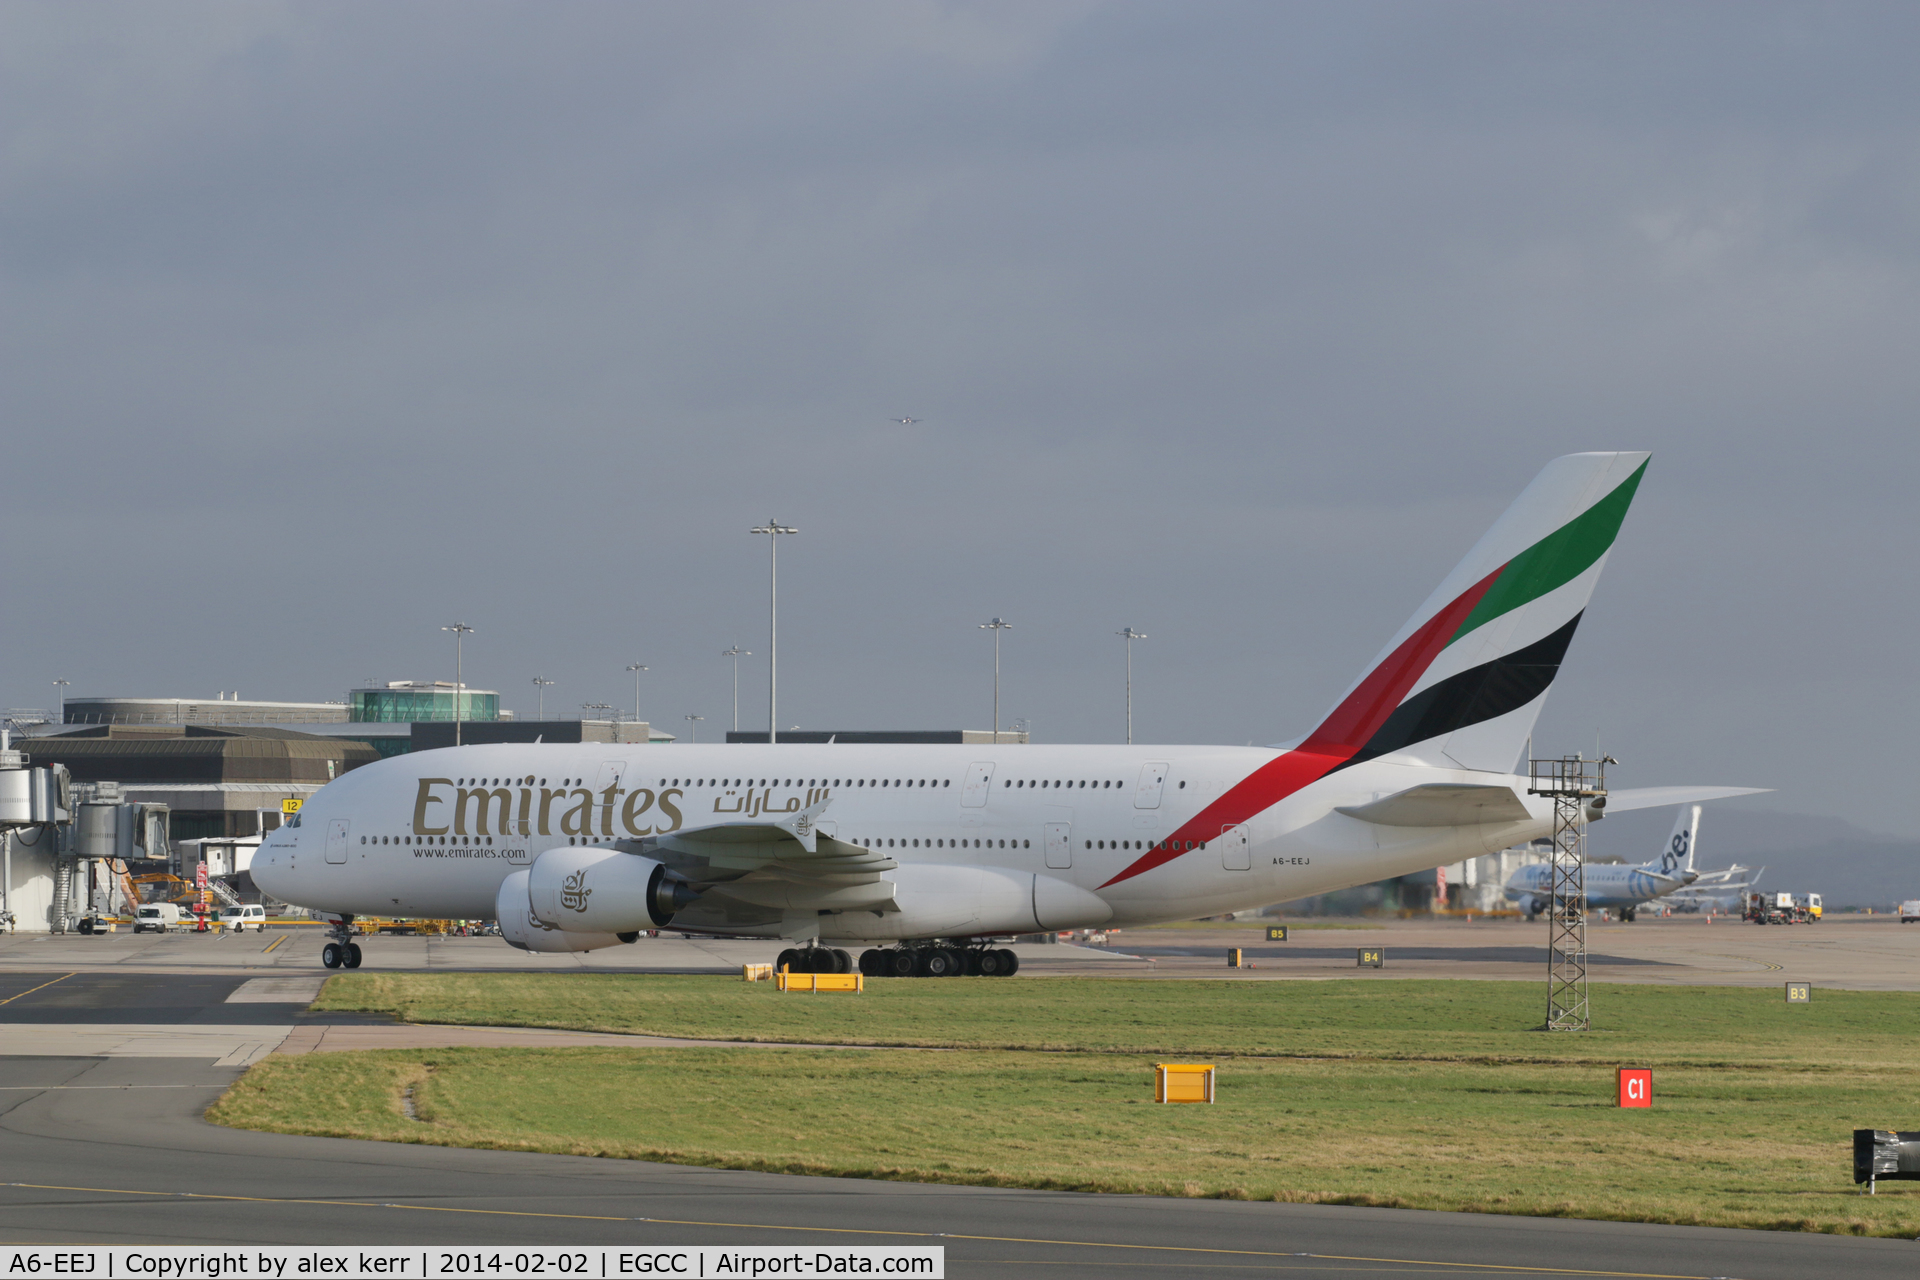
[240, 919]
[1910, 911]
[157, 916]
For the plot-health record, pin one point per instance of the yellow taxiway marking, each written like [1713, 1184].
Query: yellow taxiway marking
[276, 942]
[868, 1231]
[43, 986]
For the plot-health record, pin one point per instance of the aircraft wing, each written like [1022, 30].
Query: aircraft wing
[1442, 804]
[785, 861]
[1630, 798]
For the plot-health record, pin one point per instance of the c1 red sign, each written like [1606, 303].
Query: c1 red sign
[1636, 1087]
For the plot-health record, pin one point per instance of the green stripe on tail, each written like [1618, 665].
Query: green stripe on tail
[1556, 559]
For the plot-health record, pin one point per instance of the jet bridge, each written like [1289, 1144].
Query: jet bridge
[97, 839]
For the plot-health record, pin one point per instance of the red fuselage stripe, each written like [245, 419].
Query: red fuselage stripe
[1339, 737]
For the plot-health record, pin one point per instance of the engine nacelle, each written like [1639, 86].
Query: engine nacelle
[591, 889]
[947, 901]
[522, 929]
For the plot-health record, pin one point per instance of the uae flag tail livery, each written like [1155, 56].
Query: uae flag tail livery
[1460, 685]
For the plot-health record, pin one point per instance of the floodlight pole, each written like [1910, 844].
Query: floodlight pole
[773, 529]
[1129, 635]
[636, 668]
[736, 653]
[695, 723]
[996, 626]
[61, 685]
[543, 683]
[460, 632]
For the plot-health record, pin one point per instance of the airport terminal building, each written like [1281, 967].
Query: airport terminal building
[226, 768]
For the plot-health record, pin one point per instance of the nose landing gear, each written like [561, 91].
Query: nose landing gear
[342, 952]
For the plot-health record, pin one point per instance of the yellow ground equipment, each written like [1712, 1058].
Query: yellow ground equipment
[1183, 1082]
[817, 982]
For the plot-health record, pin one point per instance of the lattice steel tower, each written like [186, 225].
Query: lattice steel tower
[1578, 789]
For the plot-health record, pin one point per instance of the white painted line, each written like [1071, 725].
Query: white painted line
[228, 1045]
[301, 990]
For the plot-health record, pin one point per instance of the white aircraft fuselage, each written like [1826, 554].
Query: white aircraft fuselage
[434, 834]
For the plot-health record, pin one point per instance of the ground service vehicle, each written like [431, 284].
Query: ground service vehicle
[157, 916]
[242, 918]
[1910, 911]
[1809, 908]
[927, 854]
[1770, 908]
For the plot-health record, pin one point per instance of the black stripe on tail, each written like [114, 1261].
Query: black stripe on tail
[1477, 694]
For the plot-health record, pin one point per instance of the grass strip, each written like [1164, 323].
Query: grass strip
[1751, 1147]
[1417, 1020]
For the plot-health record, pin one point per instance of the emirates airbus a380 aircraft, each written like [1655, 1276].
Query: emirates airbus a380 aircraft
[939, 850]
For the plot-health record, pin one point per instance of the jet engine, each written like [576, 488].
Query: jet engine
[522, 929]
[601, 890]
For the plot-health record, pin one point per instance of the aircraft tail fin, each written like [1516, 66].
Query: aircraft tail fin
[1678, 855]
[1462, 683]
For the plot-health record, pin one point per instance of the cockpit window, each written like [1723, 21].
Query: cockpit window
[294, 821]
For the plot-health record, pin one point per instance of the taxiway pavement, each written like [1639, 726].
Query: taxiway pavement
[1864, 953]
[110, 1147]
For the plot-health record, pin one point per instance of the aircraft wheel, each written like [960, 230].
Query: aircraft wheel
[820, 960]
[352, 959]
[900, 964]
[973, 962]
[872, 962]
[989, 964]
[86, 927]
[789, 960]
[842, 961]
[942, 962]
[330, 955]
[1009, 962]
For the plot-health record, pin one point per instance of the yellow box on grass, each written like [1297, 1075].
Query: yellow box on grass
[1183, 1082]
[816, 982]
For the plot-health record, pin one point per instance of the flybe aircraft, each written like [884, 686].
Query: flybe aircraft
[1622, 888]
[929, 854]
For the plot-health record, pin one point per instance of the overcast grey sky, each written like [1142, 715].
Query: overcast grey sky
[325, 325]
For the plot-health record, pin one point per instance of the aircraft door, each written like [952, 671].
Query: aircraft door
[610, 775]
[1153, 777]
[1059, 844]
[1236, 851]
[337, 841]
[979, 786]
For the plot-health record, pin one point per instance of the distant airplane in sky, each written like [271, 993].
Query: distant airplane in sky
[906, 422]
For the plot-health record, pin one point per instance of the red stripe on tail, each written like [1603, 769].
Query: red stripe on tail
[1339, 737]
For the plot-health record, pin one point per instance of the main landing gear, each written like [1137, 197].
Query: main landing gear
[939, 961]
[342, 952]
[814, 960]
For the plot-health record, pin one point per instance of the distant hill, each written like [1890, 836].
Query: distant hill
[1803, 853]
